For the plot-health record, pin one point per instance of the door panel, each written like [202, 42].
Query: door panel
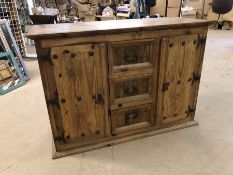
[81, 77]
[177, 78]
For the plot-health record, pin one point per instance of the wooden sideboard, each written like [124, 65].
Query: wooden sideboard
[113, 81]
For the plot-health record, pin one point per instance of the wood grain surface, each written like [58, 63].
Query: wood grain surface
[112, 26]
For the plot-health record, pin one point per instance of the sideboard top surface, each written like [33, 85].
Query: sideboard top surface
[46, 31]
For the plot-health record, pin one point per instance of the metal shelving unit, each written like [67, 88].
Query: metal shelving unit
[8, 11]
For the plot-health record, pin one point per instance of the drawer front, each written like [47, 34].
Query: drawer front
[129, 55]
[129, 89]
[131, 119]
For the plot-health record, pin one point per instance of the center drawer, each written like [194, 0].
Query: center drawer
[131, 119]
[135, 89]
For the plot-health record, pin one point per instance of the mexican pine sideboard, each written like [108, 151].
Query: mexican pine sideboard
[113, 81]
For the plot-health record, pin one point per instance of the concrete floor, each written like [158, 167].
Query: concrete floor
[206, 149]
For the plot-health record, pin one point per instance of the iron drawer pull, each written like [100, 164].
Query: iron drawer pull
[130, 59]
[99, 99]
[134, 91]
[129, 116]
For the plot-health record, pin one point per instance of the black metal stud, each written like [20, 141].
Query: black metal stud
[171, 45]
[183, 43]
[79, 98]
[165, 86]
[72, 55]
[63, 100]
[83, 134]
[55, 56]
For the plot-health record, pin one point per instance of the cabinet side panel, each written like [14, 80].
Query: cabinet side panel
[198, 66]
[50, 90]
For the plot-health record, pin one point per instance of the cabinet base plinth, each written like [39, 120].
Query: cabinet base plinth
[56, 154]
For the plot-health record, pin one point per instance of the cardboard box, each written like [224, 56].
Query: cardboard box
[174, 3]
[159, 8]
[122, 16]
[89, 18]
[207, 6]
[195, 4]
[173, 12]
[105, 18]
[83, 7]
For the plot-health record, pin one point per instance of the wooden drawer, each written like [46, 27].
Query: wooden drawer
[130, 119]
[128, 89]
[130, 55]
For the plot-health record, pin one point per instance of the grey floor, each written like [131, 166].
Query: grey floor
[207, 149]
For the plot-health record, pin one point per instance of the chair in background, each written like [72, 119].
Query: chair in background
[221, 7]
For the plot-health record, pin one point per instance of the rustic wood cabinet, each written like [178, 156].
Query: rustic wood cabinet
[114, 81]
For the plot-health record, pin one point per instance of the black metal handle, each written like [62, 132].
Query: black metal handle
[165, 86]
[130, 116]
[195, 78]
[133, 91]
[99, 99]
[130, 59]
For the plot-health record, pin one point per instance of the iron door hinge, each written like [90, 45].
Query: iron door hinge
[60, 138]
[165, 86]
[98, 99]
[45, 58]
[190, 110]
[53, 102]
[195, 78]
[201, 40]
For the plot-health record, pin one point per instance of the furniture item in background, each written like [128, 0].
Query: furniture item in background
[173, 8]
[207, 7]
[8, 44]
[221, 7]
[6, 72]
[43, 19]
[169, 8]
[196, 6]
[113, 81]
[11, 77]
[188, 12]
[8, 10]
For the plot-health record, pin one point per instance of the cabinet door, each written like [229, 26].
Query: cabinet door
[178, 76]
[81, 77]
